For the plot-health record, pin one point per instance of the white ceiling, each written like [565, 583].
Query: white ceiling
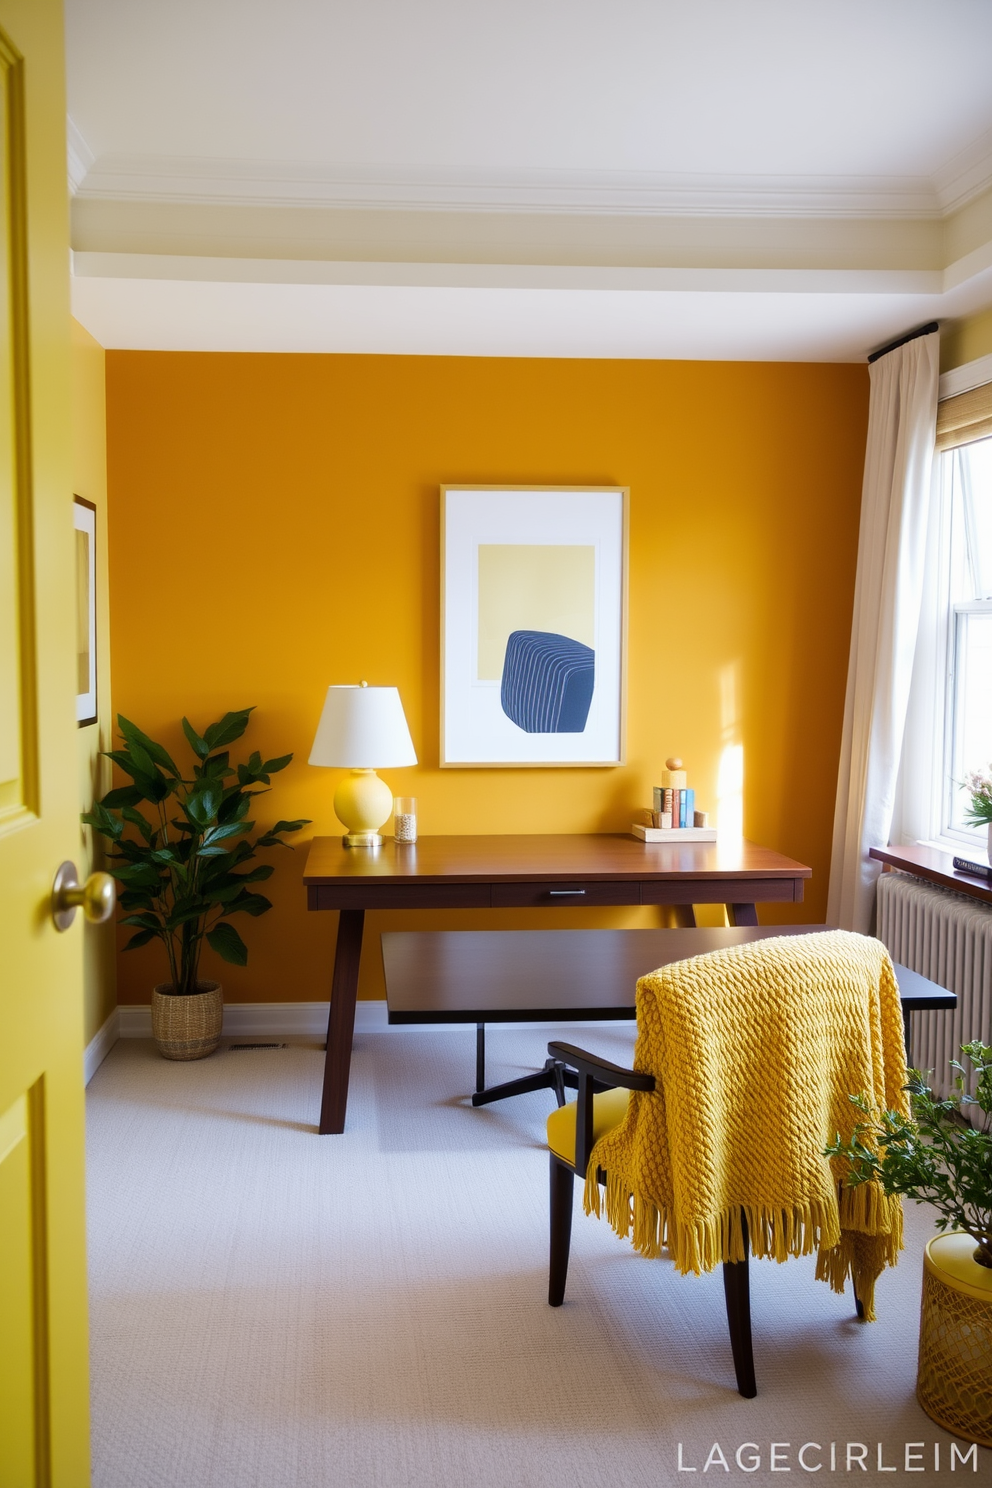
[753, 87]
[416, 154]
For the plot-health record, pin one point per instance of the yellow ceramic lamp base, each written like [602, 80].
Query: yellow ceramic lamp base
[363, 803]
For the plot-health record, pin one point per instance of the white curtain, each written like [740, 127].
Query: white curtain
[895, 499]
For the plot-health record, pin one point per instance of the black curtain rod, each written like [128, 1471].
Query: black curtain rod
[926, 330]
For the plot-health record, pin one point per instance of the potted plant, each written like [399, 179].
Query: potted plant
[978, 812]
[936, 1156]
[182, 865]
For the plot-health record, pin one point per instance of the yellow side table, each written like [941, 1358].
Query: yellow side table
[954, 1380]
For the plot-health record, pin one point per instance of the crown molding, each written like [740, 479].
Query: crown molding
[617, 193]
[965, 176]
[79, 157]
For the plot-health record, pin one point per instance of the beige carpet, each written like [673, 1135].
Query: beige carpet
[271, 1309]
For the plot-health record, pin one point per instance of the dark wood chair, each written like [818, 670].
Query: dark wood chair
[818, 975]
[603, 1090]
[594, 1115]
[595, 1112]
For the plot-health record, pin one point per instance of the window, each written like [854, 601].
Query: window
[966, 490]
[949, 722]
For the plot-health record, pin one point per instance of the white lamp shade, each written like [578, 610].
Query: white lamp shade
[363, 728]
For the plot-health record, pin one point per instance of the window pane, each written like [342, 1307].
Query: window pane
[972, 724]
[975, 486]
[968, 715]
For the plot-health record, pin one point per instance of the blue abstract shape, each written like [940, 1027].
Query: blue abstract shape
[547, 682]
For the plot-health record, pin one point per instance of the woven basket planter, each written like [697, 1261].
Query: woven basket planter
[954, 1382]
[187, 1027]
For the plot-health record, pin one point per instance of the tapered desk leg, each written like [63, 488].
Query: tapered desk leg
[743, 914]
[341, 1021]
[480, 1056]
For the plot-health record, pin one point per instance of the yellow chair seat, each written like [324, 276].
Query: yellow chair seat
[608, 1110]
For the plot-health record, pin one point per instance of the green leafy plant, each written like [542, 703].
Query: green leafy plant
[935, 1156]
[182, 866]
[978, 812]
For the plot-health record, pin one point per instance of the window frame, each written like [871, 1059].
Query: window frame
[925, 789]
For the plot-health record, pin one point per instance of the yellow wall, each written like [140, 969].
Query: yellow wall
[274, 528]
[963, 341]
[89, 479]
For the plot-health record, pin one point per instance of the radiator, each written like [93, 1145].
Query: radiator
[947, 937]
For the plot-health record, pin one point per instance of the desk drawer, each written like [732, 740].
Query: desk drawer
[391, 895]
[564, 894]
[722, 891]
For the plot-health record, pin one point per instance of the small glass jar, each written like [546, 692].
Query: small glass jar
[405, 818]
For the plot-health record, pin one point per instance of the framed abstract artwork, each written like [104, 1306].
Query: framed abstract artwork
[84, 520]
[533, 625]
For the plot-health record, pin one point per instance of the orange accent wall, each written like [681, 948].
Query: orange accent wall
[89, 480]
[274, 528]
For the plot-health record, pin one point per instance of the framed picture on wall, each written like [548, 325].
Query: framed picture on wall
[84, 513]
[533, 625]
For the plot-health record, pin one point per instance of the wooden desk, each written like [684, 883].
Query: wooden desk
[503, 872]
[546, 976]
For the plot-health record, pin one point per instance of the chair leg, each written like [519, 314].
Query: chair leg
[562, 1183]
[738, 1293]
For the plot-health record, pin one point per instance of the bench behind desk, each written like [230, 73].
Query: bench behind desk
[560, 976]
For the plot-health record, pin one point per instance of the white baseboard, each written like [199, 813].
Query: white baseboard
[292, 1019]
[136, 1021]
[101, 1044]
[298, 1019]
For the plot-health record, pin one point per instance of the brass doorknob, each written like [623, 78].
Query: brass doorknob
[96, 897]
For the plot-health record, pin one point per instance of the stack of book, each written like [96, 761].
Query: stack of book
[675, 806]
[673, 817]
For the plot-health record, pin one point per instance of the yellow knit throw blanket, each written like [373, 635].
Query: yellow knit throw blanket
[755, 1050]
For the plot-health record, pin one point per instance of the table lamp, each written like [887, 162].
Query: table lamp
[363, 729]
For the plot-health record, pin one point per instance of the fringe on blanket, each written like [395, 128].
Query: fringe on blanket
[856, 1238]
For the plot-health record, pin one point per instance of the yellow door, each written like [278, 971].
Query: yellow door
[43, 1378]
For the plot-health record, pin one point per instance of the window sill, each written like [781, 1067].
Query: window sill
[935, 864]
[961, 847]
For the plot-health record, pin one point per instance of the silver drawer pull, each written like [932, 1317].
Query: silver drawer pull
[565, 893]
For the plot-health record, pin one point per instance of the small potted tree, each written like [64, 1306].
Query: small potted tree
[182, 865]
[936, 1156]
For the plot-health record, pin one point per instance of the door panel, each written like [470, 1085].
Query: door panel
[23, 1375]
[17, 1324]
[44, 1385]
[17, 755]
